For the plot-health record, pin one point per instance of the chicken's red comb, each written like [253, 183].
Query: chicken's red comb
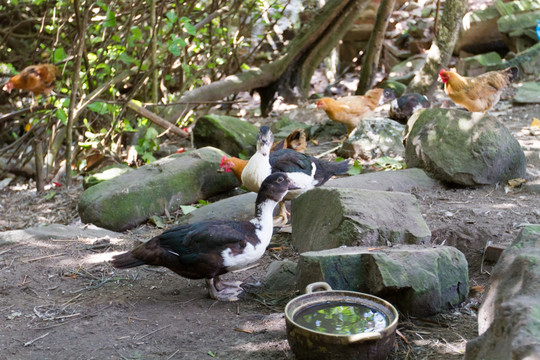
[223, 160]
[442, 72]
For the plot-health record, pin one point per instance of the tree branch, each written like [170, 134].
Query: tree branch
[157, 119]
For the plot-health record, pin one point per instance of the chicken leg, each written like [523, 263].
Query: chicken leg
[283, 217]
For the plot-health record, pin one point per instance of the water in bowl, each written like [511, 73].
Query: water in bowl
[341, 318]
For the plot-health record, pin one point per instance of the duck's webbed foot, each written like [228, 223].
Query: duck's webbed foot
[222, 290]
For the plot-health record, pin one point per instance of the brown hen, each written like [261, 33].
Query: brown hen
[480, 93]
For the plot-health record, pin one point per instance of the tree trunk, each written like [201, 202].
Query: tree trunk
[294, 68]
[81, 20]
[441, 49]
[38, 154]
[373, 52]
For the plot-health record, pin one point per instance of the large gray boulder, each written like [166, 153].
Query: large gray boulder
[227, 133]
[130, 199]
[463, 148]
[509, 318]
[325, 218]
[418, 280]
[373, 139]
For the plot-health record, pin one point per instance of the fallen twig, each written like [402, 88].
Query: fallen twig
[152, 332]
[402, 336]
[70, 300]
[5, 251]
[36, 339]
[328, 152]
[44, 257]
[174, 353]
[69, 321]
[243, 330]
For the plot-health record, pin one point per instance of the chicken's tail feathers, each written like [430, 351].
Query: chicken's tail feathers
[512, 73]
[125, 261]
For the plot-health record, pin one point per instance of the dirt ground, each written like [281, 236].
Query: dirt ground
[60, 299]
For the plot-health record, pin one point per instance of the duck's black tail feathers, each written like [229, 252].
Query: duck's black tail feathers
[125, 261]
[326, 169]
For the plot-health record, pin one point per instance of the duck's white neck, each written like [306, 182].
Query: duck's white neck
[264, 220]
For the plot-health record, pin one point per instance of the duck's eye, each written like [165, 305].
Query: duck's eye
[280, 179]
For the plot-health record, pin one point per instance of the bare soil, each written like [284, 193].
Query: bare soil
[62, 300]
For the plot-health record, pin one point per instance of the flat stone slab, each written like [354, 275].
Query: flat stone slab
[404, 180]
[418, 280]
[528, 93]
[57, 232]
[325, 218]
[509, 318]
[237, 208]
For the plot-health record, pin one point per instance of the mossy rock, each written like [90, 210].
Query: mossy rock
[230, 134]
[463, 148]
[179, 179]
[107, 173]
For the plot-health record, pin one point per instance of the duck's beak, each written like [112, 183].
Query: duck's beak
[293, 185]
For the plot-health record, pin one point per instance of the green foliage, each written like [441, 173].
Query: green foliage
[118, 38]
[387, 163]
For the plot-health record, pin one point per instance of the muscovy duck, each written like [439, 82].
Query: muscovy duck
[208, 249]
[404, 106]
[296, 140]
[306, 171]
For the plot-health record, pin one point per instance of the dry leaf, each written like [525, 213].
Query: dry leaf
[535, 123]
[477, 289]
[516, 182]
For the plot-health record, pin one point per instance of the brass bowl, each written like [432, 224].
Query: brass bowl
[308, 344]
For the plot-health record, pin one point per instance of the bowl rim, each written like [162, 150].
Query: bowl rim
[354, 337]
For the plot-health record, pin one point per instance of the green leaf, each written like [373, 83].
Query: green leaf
[99, 107]
[50, 195]
[212, 354]
[186, 209]
[243, 155]
[59, 55]
[126, 59]
[136, 32]
[157, 221]
[171, 16]
[190, 29]
[203, 203]
[175, 44]
[388, 163]
[110, 19]
[148, 157]
[356, 168]
[61, 114]
[151, 133]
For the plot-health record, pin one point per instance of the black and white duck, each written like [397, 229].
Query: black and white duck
[208, 249]
[306, 171]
